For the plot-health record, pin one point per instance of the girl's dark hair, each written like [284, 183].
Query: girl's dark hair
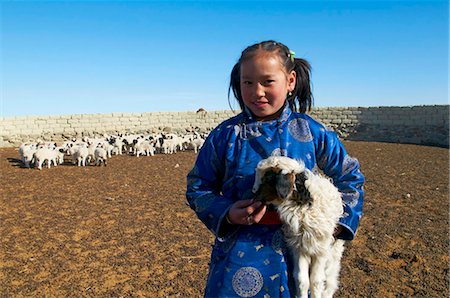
[301, 99]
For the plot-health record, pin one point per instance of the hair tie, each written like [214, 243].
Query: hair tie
[291, 55]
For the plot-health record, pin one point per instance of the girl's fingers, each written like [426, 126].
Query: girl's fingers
[243, 203]
[259, 213]
[253, 207]
[246, 212]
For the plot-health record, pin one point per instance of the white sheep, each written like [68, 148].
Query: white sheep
[169, 145]
[26, 153]
[143, 146]
[310, 207]
[60, 154]
[172, 143]
[197, 144]
[46, 154]
[79, 152]
[100, 156]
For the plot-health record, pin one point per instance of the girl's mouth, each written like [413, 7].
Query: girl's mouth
[260, 103]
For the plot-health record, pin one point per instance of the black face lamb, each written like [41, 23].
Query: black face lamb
[279, 178]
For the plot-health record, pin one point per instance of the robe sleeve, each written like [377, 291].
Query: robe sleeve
[204, 184]
[333, 160]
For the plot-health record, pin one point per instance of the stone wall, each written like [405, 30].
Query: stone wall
[424, 125]
[427, 125]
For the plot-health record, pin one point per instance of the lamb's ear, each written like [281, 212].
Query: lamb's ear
[257, 182]
[300, 179]
[284, 185]
[302, 194]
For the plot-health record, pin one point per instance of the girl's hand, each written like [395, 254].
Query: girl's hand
[246, 212]
[337, 231]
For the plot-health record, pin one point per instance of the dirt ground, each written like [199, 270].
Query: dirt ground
[125, 230]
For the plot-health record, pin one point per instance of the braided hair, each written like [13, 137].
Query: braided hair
[301, 98]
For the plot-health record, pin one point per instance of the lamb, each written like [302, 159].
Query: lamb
[197, 142]
[117, 143]
[309, 206]
[174, 141]
[169, 143]
[186, 140]
[92, 145]
[46, 154]
[144, 147]
[128, 142]
[100, 156]
[60, 155]
[79, 153]
[26, 153]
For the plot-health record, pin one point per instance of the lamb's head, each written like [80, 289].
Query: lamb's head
[280, 178]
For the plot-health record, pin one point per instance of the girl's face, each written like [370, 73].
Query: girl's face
[265, 85]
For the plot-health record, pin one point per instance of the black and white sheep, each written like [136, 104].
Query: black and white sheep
[309, 206]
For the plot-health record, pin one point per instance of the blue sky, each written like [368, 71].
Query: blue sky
[72, 57]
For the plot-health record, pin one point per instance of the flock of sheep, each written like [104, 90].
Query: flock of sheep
[97, 150]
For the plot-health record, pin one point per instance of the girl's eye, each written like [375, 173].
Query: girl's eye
[246, 82]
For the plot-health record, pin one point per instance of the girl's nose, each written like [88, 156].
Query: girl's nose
[259, 90]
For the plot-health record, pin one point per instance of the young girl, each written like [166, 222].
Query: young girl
[249, 257]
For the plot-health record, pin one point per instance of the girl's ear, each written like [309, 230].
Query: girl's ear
[292, 79]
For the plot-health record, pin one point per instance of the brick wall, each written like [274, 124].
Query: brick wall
[427, 125]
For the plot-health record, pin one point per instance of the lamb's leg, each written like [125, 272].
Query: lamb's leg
[302, 275]
[317, 278]
[296, 275]
[333, 268]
